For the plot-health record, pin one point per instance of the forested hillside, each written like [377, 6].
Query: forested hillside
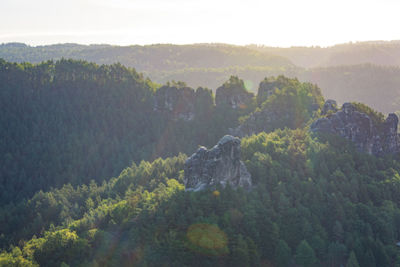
[376, 86]
[316, 202]
[69, 121]
[373, 52]
[347, 72]
[73, 121]
[148, 58]
[69, 129]
[169, 57]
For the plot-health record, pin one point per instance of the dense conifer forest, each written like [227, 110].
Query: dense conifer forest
[92, 165]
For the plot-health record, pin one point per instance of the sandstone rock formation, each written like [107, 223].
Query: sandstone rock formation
[358, 127]
[220, 165]
[177, 102]
[268, 86]
[233, 94]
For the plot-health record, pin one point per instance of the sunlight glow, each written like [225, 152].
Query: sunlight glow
[124, 22]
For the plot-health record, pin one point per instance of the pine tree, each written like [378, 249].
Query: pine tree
[352, 261]
[305, 255]
[283, 254]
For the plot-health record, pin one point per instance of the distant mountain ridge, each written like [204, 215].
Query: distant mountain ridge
[366, 72]
[375, 52]
[147, 58]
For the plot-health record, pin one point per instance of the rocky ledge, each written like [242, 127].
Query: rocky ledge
[368, 136]
[221, 165]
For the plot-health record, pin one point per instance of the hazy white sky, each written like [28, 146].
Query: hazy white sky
[124, 22]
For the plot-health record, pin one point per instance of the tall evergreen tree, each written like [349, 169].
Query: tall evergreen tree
[352, 261]
[305, 255]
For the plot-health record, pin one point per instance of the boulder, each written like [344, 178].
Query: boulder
[220, 165]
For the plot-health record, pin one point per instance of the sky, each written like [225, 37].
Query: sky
[281, 23]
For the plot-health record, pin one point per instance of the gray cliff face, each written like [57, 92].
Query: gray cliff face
[391, 139]
[220, 165]
[178, 102]
[359, 128]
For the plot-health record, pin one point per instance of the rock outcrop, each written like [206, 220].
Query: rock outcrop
[368, 136]
[220, 165]
[282, 102]
[268, 86]
[177, 102]
[233, 94]
[329, 106]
